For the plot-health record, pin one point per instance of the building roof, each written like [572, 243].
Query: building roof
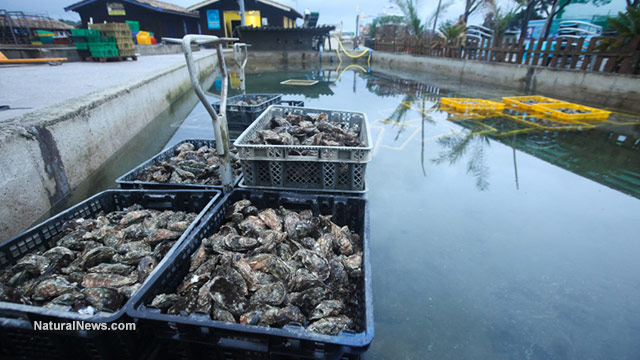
[316, 30]
[37, 23]
[155, 5]
[266, 2]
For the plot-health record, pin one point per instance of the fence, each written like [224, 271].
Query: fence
[599, 54]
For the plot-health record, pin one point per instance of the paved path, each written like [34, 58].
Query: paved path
[29, 87]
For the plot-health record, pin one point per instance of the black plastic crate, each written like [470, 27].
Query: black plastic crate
[18, 339]
[198, 332]
[239, 116]
[128, 180]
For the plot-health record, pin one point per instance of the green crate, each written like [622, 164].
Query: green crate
[103, 49]
[101, 40]
[109, 26]
[133, 25]
[82, 46]
[84, 32]
[104, 53]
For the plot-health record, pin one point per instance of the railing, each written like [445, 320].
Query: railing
[598, 54]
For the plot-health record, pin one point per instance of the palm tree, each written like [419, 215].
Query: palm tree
[410, 10]
[499, 20]
[626, 24]
[450, 30]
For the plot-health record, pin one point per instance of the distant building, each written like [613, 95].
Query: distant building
[221, 17]
[18, 28]
[161, 18]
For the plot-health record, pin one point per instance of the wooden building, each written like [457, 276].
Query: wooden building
[19, 28]
[161, 18]
[221, 17]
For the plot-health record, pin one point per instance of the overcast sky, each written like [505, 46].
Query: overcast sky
[331, 11]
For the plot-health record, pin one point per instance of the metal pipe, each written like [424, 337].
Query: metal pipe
[237, 54]
[220, 129]
[242, 19]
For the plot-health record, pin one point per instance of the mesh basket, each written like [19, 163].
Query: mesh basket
[244, 115]
[322, 168]
[18, 337]
[196, 334]
[130, 179]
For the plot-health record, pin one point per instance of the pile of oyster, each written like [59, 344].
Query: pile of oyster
[307, 130]
[273, 267]
[573, 111]
[98, 263]
[531, 102]
[190, 166]
[249, 101]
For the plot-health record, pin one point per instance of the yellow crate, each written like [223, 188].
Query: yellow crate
[465, 104]
[520, 101]
[549, 124]
[590, 115]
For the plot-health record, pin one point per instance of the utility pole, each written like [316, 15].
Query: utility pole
[435, 21]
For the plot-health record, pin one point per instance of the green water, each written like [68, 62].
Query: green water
[518, 246]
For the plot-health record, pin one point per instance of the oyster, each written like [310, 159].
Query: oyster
[269, 267]
[307, 130]
[103, 298]
[96, 264]
[330, 325]
[189, 166]
[52, 287]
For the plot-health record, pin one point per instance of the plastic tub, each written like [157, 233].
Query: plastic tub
[324, 168]
[129, 180]
[18, 339]
[244, 115]
[197, 333]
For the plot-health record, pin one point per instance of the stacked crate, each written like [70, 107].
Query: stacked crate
[90, 43]
[122, 35]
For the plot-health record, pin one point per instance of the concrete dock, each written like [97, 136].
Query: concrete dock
[75, 116]
[26, 88]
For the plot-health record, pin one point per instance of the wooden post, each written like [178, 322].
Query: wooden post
[588, 54]
[575, 54]
[519, 51]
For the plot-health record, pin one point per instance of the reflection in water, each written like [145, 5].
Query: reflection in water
[606, 153]
[460, 143]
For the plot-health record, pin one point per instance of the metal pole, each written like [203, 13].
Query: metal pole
[242, 19]
[237, 57]
[220, 129]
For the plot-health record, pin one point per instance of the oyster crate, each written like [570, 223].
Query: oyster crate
[198, 334]
[466, 104]
[519, 101]
[591, 115]
[128, 180]
[324, 168]
[18, 339]
[244, 115]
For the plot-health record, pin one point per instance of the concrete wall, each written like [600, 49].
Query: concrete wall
[37, 51]
[48, 152]
[162, 49]
[598, 89]
[296, 57]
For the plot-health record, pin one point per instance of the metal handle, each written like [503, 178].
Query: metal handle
[237, 57]
[220, 128]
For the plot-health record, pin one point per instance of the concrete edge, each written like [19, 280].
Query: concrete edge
[593, 88]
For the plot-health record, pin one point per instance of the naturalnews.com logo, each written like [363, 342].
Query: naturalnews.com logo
[82, 326]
